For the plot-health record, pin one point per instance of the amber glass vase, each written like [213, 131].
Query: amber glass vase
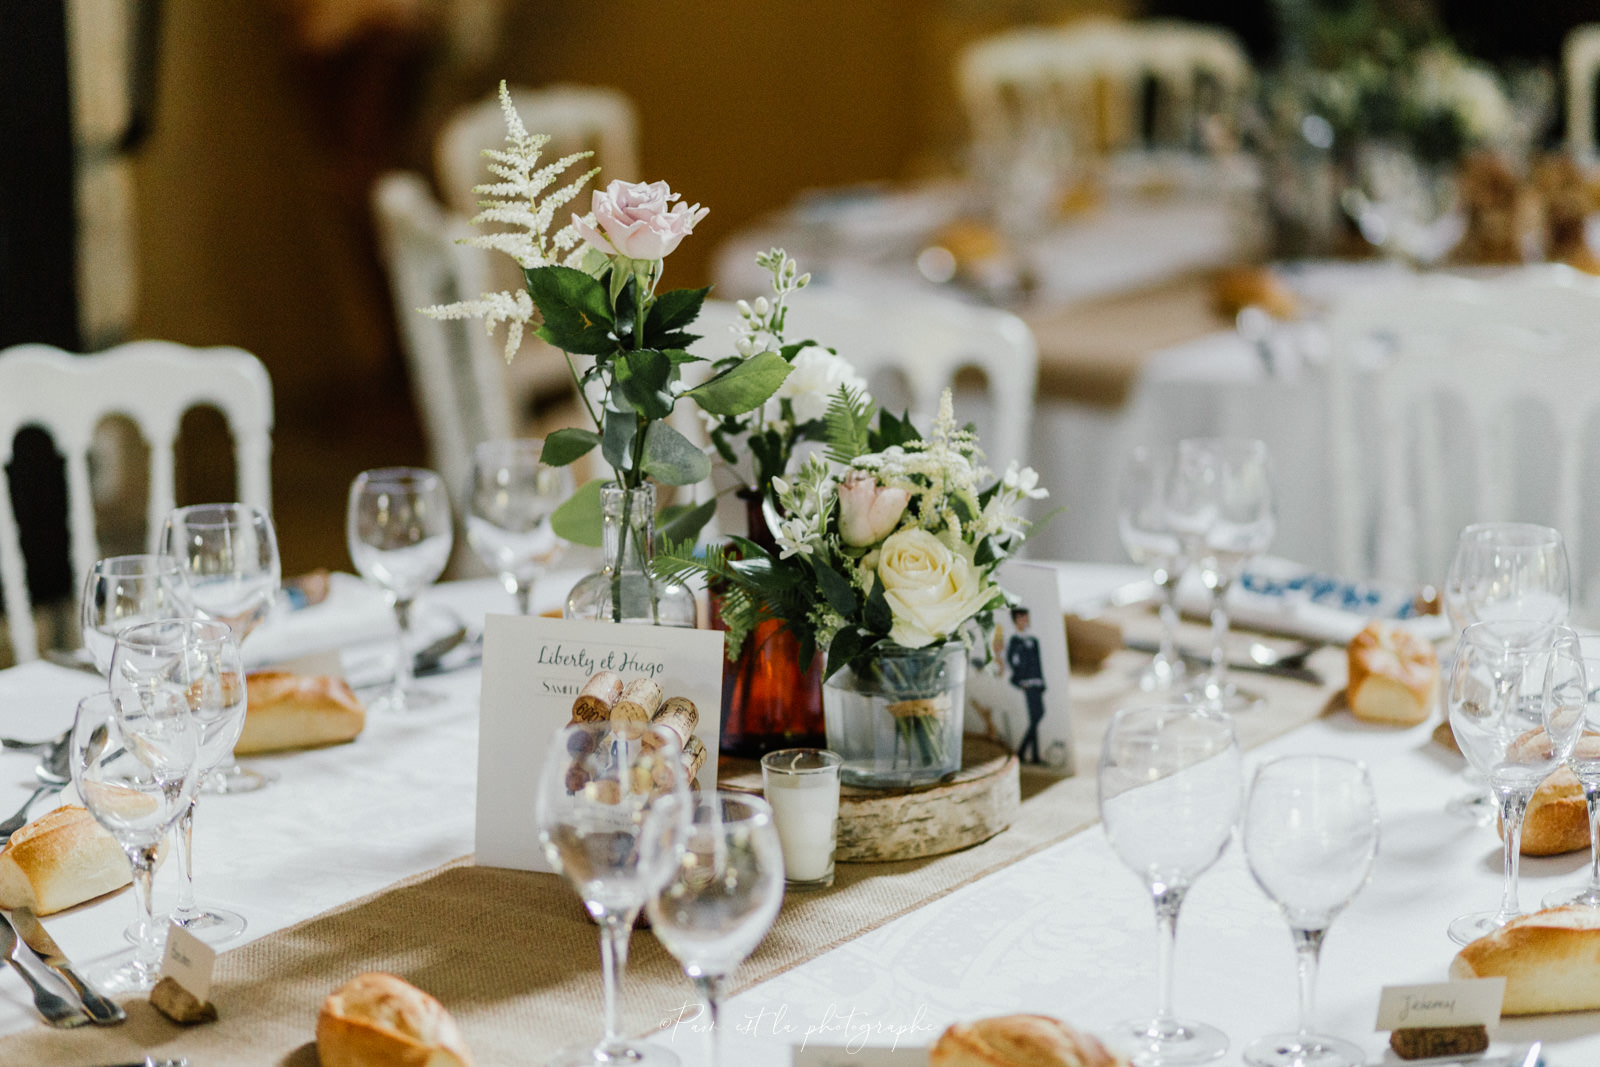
[770, 700]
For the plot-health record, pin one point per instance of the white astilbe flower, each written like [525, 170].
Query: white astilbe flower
[937, 471]
[520, 200]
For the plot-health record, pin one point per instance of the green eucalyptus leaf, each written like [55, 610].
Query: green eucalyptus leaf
[642, 377]
[564, 446]
[683, 522]
[578, 519]
[743, 387]
[576, 313]
[617, 442]
[671, 458]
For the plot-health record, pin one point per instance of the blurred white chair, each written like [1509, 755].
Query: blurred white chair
[917, 345]
[1580, 64]
[458, 373]
[577, 118]
[151, 382]
[1463, 401]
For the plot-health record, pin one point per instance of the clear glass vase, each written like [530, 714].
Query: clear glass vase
[623, 590]
[896, 721]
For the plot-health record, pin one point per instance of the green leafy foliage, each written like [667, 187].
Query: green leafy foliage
[671, 458]
[579, 519]
[644, 376]
[744, 386]
[563, 446]
[683, 522]
[671, 312]
[847, 425]
[577, 315]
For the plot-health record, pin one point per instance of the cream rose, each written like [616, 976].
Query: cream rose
[868, 511]
[931, 590]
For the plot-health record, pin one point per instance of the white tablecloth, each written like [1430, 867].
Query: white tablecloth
[1068, 932]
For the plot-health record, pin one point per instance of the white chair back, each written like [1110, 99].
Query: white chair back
[1580, 64]
[1482, 411]
[458, 372]
[151, 382]
[577, 118]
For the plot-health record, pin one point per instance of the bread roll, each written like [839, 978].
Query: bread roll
[1550, 960]
[59, 860]
[298, 711]
[1019, 1041]
[1394, 675]
[378, 1020]
[1558, 818]
[1242, 287]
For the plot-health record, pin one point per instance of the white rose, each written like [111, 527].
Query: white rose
[931, 590]
[814, 377]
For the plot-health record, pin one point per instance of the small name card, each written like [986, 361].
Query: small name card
[824, 1056]
[189, 962]
[1473, 1002]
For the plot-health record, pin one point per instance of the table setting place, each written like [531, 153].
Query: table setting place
[844, 779]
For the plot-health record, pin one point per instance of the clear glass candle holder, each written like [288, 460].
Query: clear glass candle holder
[802, 788]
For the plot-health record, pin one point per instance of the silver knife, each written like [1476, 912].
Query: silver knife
[102, 1011]
[56, 1009]
[1299, 674]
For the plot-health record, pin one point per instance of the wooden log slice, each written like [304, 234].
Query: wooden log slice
[875, 825]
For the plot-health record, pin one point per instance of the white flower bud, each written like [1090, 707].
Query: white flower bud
[745, 347]
[788, 268]
[803, 281]
[762, 307]
[744, 309]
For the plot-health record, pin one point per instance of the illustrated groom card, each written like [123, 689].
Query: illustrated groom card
[534, 669]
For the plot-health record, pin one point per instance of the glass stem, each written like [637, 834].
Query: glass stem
[147, 951]
[524, 594]
[402, 652]
[1168, 900]
[1513, 806]
[1217, 676]
[1307, 952]
[710, 989]
[183, 839]
[614, 932]
[1591, 797]
[1169, 619]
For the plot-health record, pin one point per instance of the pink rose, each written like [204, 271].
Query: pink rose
[868, 511]
[639, 219]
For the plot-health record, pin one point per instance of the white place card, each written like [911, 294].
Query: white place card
[1471, 1002]
[189, 962]
[533, 668]
[849, 1056]
[1025, 705]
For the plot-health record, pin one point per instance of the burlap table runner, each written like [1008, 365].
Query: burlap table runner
[514, 959]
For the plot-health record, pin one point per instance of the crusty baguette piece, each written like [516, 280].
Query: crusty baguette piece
[61, 859]
[298, 711]
[1394, 675]
[1550, 960]
[1019, 1041]
[379, 1020]
[1558, 818]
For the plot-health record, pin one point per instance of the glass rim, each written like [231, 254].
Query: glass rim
[828, 761]
[1536, 639]
[1536, 533]
[397, 476]
[122, 566]
[188, 513]
[217, 631]
[1357, 765]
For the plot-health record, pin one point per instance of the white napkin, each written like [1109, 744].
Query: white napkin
[353, 613]
[39, 699]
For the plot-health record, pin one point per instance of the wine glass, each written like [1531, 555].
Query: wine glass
[1310, 838]
[1169, 784]
[133, 765]
[229, 553]
[508, 517]
[1584, 762]
[1151, 541]
[594, 794]
[123, 590]
[199, 660]
[399, 533]
[1517, 695]
[1221, 505]
[725, 889]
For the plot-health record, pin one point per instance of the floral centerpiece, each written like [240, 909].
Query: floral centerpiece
[884, 556]
[593, 286]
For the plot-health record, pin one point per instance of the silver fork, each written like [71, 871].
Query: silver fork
[57, 1010]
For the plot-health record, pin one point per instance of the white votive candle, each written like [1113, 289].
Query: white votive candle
[802, 786]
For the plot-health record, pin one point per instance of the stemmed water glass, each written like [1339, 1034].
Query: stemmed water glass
[595, 792]
[510, 501]
[1517, 697]
[1310, 838]
[123, 590]
[399, 534]
[1145, 525]
[1584, 762]
[133, 765]
[1169, 784]
[1220, 503]
[198, 659]
[725, 890]
[229, 553]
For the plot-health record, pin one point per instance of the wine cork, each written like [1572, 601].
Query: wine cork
[677, 718]
[577, 778]
[596, 697]
[604, 791]
[1428, 1042]
[694, 757]
[639, 778]
[632, 711]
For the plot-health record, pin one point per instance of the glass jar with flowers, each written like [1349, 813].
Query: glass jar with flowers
[592, 284]
[885, 557]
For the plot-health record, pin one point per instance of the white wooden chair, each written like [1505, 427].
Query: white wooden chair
[1482, 410]
[153, 383]
[1580, 64]
[577, 118]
